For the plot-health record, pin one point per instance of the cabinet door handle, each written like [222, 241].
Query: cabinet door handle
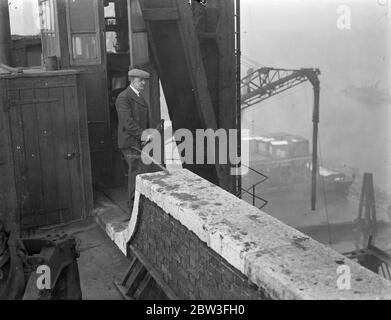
[70, 156]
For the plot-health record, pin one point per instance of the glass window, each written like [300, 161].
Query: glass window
[110, 10]
[111, 41]
[46, 14]
[84, 47]
[49, 29]
[83, 29]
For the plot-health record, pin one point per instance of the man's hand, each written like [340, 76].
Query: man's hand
[148, 139]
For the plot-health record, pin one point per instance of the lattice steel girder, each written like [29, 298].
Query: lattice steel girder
[267, 82]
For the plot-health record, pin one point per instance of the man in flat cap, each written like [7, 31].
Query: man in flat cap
[133, 119]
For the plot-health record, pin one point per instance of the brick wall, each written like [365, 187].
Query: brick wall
[205, 243]
[190, 268]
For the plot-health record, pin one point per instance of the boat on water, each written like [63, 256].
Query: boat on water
[285, 159]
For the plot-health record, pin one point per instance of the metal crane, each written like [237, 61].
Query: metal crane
[266, 82]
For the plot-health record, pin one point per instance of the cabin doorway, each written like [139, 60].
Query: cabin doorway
[126, 45]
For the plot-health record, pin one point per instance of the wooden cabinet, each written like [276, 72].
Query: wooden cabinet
[45, 166]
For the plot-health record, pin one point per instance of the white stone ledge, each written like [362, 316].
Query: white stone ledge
[283, 261]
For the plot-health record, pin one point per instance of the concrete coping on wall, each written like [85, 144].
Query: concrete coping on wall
[283, 262]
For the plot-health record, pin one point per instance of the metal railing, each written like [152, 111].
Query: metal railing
[251, 191]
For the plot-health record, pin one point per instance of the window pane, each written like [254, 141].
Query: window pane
[82, 15]
[110, 10]
[84, 47]
[47, 16]
[111, 41]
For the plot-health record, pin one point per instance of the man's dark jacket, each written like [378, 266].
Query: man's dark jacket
[132, 118]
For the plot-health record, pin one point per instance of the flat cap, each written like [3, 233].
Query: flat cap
[138, 73]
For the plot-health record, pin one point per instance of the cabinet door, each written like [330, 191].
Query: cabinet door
[45, 143]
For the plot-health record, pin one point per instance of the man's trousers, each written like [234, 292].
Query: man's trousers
[133, 160]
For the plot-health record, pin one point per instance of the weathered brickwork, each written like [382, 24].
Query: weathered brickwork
[205, 248]
[187, 265]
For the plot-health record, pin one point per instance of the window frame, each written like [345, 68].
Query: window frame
[52, 35]
[97, 33]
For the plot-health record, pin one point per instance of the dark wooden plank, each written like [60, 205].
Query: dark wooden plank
[5, 184]
[31, 145]
[60, 143]
[41, 81]
[155, 275]
[84, 146]
[72, 125]
[134, 275]
[129, 271]
[47, 156]
[142, 286]
[122, 290]
[55, 217]
[15, 139]
[33, 101]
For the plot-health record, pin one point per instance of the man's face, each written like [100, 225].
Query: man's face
[138, 83]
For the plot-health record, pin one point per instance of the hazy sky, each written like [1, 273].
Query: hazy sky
[24, 17]
[296, 34]
[300, 33]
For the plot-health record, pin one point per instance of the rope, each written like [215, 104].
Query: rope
[325, 200]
